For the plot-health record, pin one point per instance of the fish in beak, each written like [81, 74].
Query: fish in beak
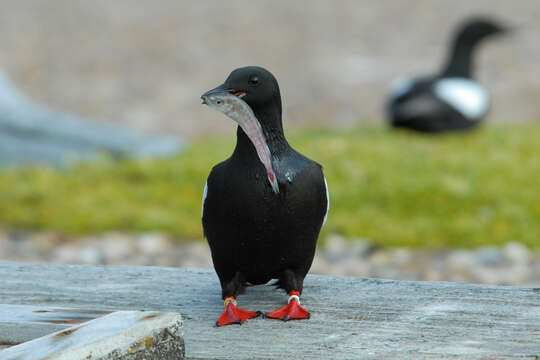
[230, 103]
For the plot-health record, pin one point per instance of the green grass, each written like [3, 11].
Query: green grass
[394, 188]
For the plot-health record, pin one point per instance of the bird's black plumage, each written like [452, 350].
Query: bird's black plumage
[451, 99]
[255, 234]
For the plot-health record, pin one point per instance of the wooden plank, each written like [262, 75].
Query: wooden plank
[119, 335]
[35, 321]
[351, 317]
[49, 315]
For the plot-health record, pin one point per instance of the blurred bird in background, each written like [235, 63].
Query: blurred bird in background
[452, 99]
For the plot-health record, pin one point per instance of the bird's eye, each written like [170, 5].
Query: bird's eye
[253, 80]
[219, 102]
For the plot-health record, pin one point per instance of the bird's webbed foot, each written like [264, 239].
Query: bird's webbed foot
[291, 311]
[233, 314]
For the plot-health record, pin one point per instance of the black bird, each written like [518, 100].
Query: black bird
[450, 100]
[264, 206]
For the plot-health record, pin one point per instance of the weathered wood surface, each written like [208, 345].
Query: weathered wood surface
[27, 314]
[130, 335]
[31, 321]
[351, 317]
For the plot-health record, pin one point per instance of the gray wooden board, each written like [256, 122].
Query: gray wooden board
[35, 321]
[351, 317]
[46, 314]
[119, 335]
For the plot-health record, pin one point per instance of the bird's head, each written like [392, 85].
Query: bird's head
[476, 29]
[250, 96]
[253, 84]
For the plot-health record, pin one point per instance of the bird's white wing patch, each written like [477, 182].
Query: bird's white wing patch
[205, 192]
[401, 86]
[466, 96]
[327, 201]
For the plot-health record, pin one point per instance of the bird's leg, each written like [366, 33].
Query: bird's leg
[292, 282]
[291, 311]
[230, 288]
[233, 314]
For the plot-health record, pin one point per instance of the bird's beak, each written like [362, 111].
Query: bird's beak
[222, 89]
[217, 90]
[506, 30]
[509, 30]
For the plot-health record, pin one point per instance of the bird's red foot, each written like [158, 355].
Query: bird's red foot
[233, 314]
[292, 311]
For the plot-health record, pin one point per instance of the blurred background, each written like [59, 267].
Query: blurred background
[458, 207]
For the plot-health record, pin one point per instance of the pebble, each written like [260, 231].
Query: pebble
[152, 244]
[516, 252]
[512, 264]
[489, 256]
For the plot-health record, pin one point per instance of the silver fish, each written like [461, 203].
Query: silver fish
[238, 110]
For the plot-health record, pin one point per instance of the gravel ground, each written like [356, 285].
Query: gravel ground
[511, 265]
[145, 64]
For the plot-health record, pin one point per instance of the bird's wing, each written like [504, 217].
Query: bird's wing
[327, 201]
[466, 96]
[204, 197]
[421, 105]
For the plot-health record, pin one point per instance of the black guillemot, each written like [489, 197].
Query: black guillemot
[450, 100]
[264, 206]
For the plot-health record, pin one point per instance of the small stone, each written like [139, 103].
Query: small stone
[485, 275]
[432, 275]
[401, 257]
[23, 249]
[5, 246]
[321, 266]
[517, 253]
[360, 248]
[17, 235]
[460, 259]
[459, 264]
[196, 254]
[116, 247]
[66, 254]
[334, 248]
[44, 242]
[152, 244]
[90, 255]
[337, 248]
[381, 258]
[353, 267]
[489, 256]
